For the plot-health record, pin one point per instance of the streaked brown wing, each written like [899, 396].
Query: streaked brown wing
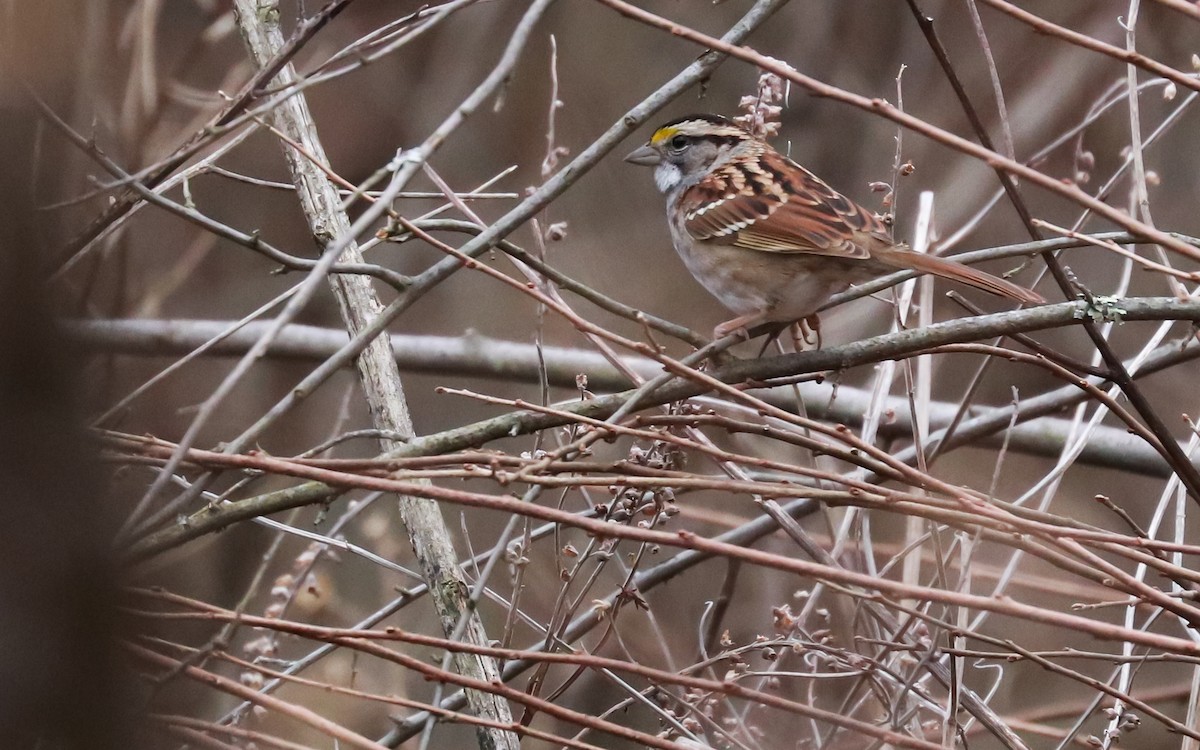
[794, 212]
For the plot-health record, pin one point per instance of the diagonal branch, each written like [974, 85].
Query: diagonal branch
[321, 203]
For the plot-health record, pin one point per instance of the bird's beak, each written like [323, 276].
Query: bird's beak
[644, 157]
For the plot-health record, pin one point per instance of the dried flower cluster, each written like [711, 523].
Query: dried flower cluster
[761, 111]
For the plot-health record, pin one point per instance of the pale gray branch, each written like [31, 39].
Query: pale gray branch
[474, 355]
[892, 345]
[331, 227]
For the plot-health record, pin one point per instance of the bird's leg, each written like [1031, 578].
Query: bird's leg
[740, 325]
[806, 333]
[799, 340]
[811, 324]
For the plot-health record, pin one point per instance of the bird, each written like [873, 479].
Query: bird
[768, 238]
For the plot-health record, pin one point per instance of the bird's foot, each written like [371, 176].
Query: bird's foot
[806, 333]
[740, 325]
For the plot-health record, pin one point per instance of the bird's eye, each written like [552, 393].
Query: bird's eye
[679, 143]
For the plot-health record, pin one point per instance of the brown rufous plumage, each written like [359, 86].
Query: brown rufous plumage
[767, 237]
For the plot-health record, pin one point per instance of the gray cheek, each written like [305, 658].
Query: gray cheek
[667, 176]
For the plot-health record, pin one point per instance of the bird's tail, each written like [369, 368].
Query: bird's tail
[955, 271]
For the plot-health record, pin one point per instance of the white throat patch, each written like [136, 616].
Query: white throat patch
[667, 176]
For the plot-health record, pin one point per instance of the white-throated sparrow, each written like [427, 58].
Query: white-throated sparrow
[766, 236]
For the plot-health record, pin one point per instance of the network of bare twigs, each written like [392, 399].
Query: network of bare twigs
[665, 541]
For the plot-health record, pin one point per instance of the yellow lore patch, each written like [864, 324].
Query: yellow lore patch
[663, 134]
